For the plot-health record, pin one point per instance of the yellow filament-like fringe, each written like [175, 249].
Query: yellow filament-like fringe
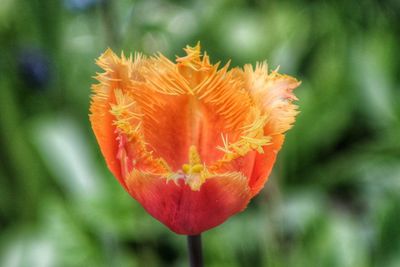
[253, 138]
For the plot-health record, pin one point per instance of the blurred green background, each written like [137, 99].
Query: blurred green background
[333, 198]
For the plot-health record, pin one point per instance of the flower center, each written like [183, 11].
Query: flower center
[195, 172]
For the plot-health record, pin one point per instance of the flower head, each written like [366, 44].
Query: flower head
[190, 141]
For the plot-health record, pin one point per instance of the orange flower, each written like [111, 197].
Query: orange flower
[191, 142]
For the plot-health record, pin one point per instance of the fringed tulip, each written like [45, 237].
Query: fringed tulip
[190, 141]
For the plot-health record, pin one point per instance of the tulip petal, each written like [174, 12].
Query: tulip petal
[273, 93]
[186, 211]
[118, 74]
[177, 115]
[263, 164]
[256, 166]
[102, 125]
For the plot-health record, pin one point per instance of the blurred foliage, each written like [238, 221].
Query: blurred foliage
[333, 199]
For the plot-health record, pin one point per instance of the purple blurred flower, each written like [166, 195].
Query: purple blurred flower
[80, 5]
[34, 67]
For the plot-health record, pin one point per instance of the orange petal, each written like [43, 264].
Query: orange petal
[256, 166]
[118, 75]
[177, 115]
[186, 211]
[102, 124]
[263, 164]
[273, 94]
